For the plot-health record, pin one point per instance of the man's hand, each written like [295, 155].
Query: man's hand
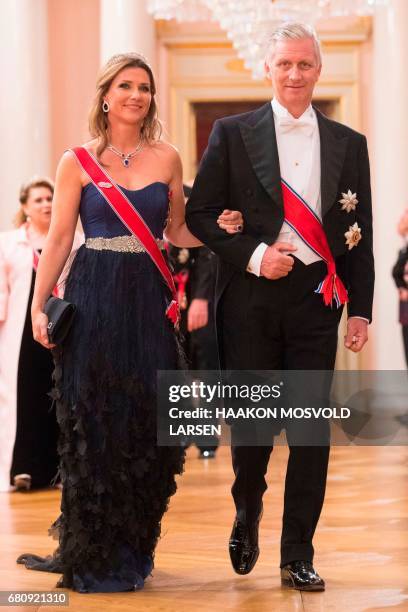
[357, 334]
[275, 263]
[197, 315]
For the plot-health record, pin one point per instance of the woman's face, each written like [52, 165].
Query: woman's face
[129, 96]
[38, 206]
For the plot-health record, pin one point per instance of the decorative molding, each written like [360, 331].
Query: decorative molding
[341, 29]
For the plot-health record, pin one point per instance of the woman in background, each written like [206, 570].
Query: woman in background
[28, 438]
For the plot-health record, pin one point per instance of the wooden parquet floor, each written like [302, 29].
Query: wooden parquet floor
[361, 544]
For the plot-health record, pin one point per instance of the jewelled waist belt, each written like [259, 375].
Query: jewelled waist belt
[121, 244]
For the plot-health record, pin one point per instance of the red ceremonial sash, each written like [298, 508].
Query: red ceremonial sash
[180, 280]
[123, 208]
[309, 228]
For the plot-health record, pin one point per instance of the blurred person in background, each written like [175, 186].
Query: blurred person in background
[28, 438]
[194, 274]
[400, 274]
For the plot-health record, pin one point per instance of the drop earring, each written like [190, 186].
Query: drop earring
[105, 106]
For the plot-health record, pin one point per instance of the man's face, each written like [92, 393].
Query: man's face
[293, 68]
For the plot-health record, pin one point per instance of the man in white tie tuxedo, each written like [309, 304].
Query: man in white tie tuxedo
[302, 182]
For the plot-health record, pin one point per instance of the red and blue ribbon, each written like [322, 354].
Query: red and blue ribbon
[307, 225]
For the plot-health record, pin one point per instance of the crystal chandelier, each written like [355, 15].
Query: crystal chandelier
[249, 22]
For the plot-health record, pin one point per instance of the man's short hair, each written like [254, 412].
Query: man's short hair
[292, 30]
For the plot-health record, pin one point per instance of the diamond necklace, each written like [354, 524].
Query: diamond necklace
[126, 157]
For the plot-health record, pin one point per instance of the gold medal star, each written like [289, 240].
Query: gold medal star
[348, 201]
[353, 236]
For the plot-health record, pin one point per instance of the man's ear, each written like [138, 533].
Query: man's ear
[267, 70]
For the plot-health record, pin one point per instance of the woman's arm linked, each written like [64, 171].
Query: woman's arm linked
[176, 230]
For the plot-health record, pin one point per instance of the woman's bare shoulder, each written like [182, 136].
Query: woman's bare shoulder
[165, 148]
[68, 164]
[170, 156]
[91, 145]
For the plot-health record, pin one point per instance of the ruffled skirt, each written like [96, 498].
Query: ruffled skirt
[116, 480]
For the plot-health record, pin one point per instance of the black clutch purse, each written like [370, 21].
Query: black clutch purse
[60, 316]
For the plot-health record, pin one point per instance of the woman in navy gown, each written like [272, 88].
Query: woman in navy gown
[116, 480]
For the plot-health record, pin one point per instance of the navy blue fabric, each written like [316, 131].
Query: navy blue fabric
[98, 218]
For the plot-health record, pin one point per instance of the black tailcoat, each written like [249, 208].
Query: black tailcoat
[240, 171]
[283, 324]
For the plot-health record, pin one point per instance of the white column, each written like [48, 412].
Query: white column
[24, 113]
[390, 172]
[127, 26]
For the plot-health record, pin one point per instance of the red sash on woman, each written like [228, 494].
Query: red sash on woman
[130, 218]
[310, 229]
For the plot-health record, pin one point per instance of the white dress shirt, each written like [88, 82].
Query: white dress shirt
[298, 143]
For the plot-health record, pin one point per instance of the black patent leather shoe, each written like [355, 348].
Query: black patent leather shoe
[243, 546]
[301, 575]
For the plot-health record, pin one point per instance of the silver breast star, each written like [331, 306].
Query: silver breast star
[349, 201]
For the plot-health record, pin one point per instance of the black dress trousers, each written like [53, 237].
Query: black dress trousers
[280, 325]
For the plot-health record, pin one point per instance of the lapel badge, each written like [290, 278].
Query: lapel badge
[103, 184]
[353, 236]
[183, 256]
[349, 201]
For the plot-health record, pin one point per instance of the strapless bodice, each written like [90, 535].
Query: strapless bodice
[98, 219]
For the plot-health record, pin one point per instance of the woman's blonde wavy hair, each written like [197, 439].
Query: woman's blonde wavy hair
[98, 122]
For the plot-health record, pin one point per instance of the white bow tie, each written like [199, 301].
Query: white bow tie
[306, 125]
